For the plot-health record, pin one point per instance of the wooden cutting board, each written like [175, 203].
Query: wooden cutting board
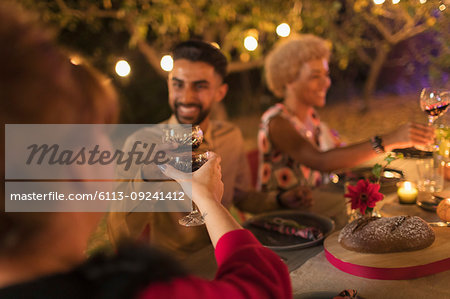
[391, 266]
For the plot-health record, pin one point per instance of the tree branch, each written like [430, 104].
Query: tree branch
[359, 50]
[410, 32]
[152, 56]
[379, 26]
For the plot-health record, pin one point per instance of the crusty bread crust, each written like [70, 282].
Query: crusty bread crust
[386, 234]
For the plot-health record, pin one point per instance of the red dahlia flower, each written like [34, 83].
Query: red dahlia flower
[364, 195]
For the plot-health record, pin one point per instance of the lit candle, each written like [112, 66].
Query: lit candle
[407, 192]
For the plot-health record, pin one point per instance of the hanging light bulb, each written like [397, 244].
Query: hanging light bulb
[167, 63]
[283, 30]
[250, 43]
[123, 68]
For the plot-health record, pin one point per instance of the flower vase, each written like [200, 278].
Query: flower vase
[363, 196]
[354, 214]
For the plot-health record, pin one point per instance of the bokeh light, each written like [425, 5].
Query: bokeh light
[250, 43]
[123, 68]
[215, 45]
[283, 30]
[167, 63]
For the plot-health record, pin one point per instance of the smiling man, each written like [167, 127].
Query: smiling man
[195, 84]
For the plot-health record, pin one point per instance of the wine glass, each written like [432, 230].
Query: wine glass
[187, 140]
[195, 218]
[434, 102]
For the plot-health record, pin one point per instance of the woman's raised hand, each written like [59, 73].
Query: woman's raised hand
[203, 184]
[408, 135]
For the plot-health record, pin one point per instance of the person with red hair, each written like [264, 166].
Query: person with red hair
[42, 255]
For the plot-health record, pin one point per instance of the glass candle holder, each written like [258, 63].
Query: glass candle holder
[407, 192]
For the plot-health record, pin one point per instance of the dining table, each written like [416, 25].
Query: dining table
[313, 276]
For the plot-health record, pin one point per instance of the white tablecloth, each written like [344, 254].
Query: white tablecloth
[317, 274]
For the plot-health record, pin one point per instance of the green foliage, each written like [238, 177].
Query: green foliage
[378, 169]
[355, 27]
[358, 30]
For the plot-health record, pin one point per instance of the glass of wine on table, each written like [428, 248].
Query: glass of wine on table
[434, 102]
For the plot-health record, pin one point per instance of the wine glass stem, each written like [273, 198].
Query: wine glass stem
[195, 208]
[431, 120]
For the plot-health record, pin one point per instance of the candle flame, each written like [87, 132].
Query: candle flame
[407, 186]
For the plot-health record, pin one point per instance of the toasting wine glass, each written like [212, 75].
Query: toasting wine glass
[434, 102]
[186, 138]
[187, 161]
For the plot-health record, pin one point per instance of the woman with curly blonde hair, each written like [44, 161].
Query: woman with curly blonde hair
[296, 148]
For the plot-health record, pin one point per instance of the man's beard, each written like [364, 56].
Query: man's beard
[203, 113]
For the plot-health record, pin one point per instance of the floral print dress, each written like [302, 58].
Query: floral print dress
[279, 172]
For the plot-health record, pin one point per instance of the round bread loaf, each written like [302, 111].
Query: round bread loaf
[386, 234]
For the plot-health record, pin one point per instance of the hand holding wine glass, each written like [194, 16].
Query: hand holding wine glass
[203, 185]
[188, 140]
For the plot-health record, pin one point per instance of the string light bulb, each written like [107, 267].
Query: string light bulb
[250, 43]
[166, 63]
[123, 68]
[283, 30]
[377, 2]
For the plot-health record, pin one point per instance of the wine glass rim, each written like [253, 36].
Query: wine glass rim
[436, 89]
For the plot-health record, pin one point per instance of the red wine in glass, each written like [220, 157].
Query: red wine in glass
[187, 161]
[436, 110]
[434, 102]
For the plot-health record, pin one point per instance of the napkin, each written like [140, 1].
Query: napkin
[289, 227]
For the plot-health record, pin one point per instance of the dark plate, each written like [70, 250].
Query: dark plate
[430, 205]
[389, 178]
[277, 241]
[427, 205]
[412, 152]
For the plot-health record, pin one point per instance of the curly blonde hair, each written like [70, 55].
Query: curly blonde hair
[284, 62]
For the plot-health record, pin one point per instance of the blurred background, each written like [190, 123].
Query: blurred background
[383, 52]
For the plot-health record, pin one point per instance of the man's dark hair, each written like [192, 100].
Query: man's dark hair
[194, 50]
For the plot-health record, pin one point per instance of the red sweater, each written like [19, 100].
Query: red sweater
[246, 270]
